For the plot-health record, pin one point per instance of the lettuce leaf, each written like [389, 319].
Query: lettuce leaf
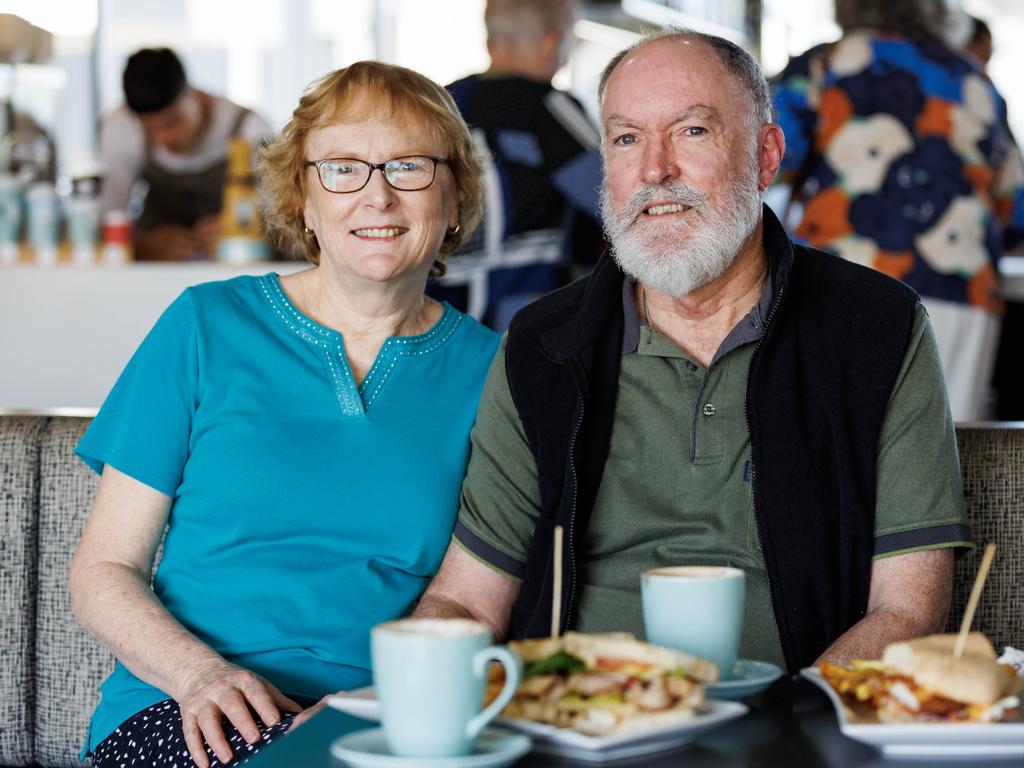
[558, 663]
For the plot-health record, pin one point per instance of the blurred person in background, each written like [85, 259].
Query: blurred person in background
[979, 44]
[542, 212]
[899, 158]
[1007, 379]
[277, 428]
[174, 137]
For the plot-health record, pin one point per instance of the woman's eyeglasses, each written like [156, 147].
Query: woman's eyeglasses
[346, 174]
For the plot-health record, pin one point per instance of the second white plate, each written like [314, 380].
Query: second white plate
[919, 740]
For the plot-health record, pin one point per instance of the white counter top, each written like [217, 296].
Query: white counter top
[67, 332]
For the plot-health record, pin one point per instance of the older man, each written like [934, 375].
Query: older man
[712, 394]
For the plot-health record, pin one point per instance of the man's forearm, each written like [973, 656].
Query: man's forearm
[868, 637]
[909, 597]
[436, 606]
[466, 588]
[439, 607]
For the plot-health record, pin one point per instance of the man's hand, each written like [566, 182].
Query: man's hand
[227, 690]
[206, 235]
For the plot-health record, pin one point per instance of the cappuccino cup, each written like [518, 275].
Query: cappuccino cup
[430, 676]
[697, 609]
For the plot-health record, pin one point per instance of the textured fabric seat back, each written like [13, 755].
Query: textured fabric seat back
[992, 466]
[70, 665]
[19, 476]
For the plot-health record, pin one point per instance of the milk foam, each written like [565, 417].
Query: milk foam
[435, 627]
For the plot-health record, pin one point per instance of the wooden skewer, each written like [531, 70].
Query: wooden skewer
[972, 601]
[556, 598]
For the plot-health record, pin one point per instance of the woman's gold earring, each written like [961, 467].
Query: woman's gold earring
[307, 230]
[456, 230]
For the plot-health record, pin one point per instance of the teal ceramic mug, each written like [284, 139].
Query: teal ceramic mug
[430, 676]
[697, 609]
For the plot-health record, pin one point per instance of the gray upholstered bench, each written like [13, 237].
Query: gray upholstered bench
[50, 670]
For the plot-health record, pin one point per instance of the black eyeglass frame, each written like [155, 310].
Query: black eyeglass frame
[375, 167]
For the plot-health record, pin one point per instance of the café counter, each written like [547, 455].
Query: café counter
[66, 332]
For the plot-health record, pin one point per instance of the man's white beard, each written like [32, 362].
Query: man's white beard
[678, 255]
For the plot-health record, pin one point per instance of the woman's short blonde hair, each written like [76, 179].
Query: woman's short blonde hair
[360, 91]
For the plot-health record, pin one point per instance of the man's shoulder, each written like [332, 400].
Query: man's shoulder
[469, 81]
[552, 310]
[492, 90]
[835, 275]
[225, 113]
[122, 122]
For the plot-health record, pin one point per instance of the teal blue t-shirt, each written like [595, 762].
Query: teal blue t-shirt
[305, 509]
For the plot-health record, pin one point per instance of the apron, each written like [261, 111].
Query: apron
[182, 199]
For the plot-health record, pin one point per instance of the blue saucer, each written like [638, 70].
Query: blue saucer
[369, 749]
[749, 678]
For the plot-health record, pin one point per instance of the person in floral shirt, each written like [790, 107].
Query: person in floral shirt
[900, 158]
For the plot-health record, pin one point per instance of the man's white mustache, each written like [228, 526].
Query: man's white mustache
[669, 192]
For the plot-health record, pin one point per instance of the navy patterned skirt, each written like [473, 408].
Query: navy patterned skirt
[155, 737]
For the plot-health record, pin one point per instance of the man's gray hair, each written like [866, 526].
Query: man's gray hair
[740, 64]
[526, 21]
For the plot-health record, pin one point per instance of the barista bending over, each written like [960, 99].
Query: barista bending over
[175, 138]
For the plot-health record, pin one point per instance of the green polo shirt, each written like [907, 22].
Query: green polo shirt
[676, 486]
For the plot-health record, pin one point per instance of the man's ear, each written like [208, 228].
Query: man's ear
[770, 150]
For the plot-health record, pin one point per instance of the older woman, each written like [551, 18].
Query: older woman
[302, 439]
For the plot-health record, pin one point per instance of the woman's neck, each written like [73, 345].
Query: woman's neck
[365, 313]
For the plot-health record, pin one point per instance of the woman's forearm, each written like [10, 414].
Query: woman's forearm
[116, 606]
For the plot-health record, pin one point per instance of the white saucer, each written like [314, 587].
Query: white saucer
[749, 678]
[369, 749]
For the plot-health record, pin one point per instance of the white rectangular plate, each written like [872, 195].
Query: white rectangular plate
[569, 743]
[964, 740]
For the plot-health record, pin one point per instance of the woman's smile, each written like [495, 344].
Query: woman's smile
[379, 233]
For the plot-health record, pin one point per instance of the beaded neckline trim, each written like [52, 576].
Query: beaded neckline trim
[354, 399]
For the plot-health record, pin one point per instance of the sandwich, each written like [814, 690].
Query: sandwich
[604, 684]
[919, 681]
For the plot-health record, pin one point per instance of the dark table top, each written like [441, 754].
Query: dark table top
[792, 725]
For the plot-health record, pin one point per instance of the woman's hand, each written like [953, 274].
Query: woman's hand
[226, 690]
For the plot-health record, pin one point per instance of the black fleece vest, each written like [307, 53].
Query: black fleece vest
[817, 392]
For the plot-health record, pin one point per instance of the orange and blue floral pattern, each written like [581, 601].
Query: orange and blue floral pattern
[902, 160]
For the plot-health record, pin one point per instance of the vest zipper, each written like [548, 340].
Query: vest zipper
[786, 651]
[570, 602]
